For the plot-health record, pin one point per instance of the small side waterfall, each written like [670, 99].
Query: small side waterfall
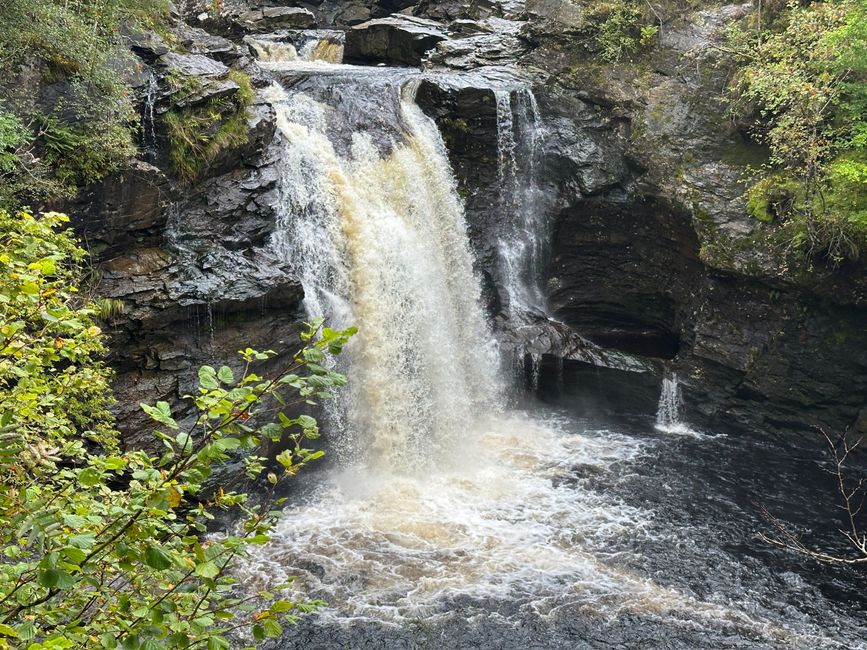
[521, 241]
[669, 413]
[148, 123]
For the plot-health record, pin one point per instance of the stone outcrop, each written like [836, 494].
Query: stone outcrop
[396, 39]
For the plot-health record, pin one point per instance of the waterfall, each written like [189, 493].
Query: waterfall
[273, 51]
[449, 499]
[379, 238]
[149, 134]
[316, 46]
[668, 413]
[521, 241]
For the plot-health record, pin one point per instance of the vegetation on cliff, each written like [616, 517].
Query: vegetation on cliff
[67, 116]
[106, 547]
[199, 134]
[804, 80]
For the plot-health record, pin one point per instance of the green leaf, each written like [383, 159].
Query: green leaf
[55, 579]
[74, 555]
[88, 477]
[74, 521]
[6, 630]
[285, 458]
[207, 569]
[156, 558]
[218, 643]
[185, 441]
[208, 378]
[225, 375]
[307, 422]
[26, 631]
[273, 629]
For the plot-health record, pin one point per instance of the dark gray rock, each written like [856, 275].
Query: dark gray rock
[146, 44]
[396, 39]
[193, 65]
[268, 19]
[126, 210]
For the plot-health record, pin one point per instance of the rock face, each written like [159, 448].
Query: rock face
[271, 18]
[650, 263]
[400, 40]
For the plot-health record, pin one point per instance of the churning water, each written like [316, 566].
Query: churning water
[451, 521]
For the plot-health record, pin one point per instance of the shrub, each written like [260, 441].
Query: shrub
[617, 29]
[807, 79]
[105, 548]
[86, 132]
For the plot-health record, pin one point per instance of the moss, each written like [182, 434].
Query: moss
[198, 135]
[772, 197]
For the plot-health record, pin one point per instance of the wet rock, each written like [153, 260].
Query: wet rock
[271, 18]
[396, 39]
[127, 209]
[479, 50]
[197, 41]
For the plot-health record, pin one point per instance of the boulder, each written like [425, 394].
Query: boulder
[197, 41]
[270, 18]
[395, 39]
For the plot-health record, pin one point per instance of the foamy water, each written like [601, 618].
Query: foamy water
[500, 515]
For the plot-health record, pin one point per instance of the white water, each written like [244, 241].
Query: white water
[669, 411]
[148, 123]
[381, 242]
[520, 244]
[314, 51]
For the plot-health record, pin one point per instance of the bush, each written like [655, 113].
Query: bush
[105, 548]
[807, 79]
[617, 29]
[86, 132]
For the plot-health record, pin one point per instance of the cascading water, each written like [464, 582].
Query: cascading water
[323, 47]
[669, 412]
[148, 123]
[380, 247]
[520, 245]
[446, 508]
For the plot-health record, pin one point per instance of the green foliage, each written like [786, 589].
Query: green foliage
[13, 136]
[85, 132]
[772, 196]
[103, 548]
[807, 80]
[52, 386]
[199, 134]
[617, 29]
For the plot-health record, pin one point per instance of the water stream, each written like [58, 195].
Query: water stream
[521, 244]
[449, 520]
